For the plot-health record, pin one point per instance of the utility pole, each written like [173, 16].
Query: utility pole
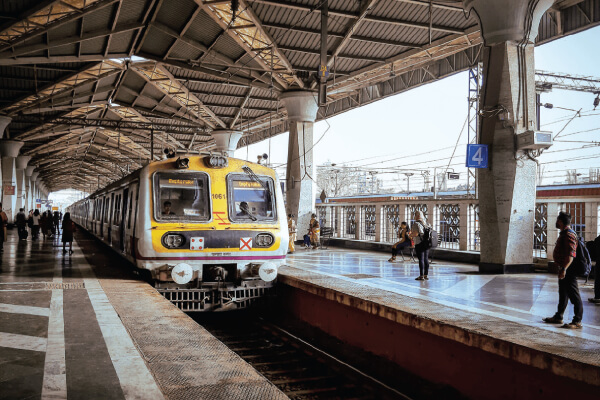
[408, 175]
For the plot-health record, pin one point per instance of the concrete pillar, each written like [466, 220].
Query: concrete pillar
[34, 189]
[302, 107]
[507, 187]
[591, 220]
[21, 165]
[28, 188]
[9, 149]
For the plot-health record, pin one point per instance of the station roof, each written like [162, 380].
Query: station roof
[89, 82]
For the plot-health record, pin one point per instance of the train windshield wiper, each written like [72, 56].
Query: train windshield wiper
[255, 178]
[244, 207]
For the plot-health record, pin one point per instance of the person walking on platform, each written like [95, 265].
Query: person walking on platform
[56, 221]
[21, 222]
[292, 232]
[3, 222]
[404, 241]
[68, 228]
[565, 252]
[417, 230]
[35, 222]
[594, 249]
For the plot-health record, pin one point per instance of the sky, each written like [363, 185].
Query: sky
[419, 128]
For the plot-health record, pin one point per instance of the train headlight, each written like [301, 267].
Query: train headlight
[182, 163]
[216, 161]
[173, 240]
[267, 271]
[264, 240]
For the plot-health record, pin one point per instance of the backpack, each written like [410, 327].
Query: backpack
[429, 239]
[582, 262]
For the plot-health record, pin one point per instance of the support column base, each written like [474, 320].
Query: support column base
[492, 268]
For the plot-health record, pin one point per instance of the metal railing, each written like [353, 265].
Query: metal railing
[457, 222]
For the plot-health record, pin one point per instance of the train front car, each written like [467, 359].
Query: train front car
[215, 232]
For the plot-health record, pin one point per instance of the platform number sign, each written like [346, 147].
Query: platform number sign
[477, 156]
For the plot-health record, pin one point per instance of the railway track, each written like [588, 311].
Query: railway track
[299, 369]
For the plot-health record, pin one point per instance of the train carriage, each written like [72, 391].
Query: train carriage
[210, 231]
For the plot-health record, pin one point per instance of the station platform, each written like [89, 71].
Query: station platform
[481, 334]
[80, 326]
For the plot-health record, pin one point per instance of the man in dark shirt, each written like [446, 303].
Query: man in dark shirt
[167, 208]
[564, 254]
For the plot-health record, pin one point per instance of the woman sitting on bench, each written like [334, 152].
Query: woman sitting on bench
[404, 241]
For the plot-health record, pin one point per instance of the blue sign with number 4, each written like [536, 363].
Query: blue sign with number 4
[477, 156]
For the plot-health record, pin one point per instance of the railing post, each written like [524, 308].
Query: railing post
[552, 233]
[378, 220]
[359, 222]
[591, 220]
[463, 225]
[338, 221]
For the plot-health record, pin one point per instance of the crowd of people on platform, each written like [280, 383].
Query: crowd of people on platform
[49, 223]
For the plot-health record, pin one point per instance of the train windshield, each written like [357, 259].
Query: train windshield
[181, 197]
[249, 200]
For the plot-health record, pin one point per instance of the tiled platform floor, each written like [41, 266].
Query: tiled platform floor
[522, 298]
[83, 327]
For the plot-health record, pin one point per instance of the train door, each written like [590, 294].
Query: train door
[111, 208]
[122, 219]
[128, 219]
[102, 214]
[107, 217]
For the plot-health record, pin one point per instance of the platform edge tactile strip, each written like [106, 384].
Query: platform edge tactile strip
[575, 357]
[184, 358]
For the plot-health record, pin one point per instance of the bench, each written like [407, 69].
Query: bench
[326, 234]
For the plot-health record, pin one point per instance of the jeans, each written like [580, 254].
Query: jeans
[423, 256]
[569, 290]
[21, 229]
[398, 247]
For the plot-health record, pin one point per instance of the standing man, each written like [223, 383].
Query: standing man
[564, 254]
[292, 232]
[417, 230]
[21, 222]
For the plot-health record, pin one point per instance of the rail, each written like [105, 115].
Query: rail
[456, 220]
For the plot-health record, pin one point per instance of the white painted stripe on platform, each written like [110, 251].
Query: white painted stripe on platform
[29, 310]
[134, 376]
[22, 342]
[54, 385]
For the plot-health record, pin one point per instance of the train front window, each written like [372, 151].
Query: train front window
[181, 197]
[250, 200]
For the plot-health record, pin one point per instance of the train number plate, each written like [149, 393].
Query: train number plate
[197, 243]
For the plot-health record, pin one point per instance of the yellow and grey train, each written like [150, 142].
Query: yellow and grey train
[209, 231]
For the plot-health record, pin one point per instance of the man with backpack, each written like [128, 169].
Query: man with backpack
[565, 253]
[425, 238]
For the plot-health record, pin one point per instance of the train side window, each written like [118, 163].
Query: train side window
[250, 200]
[181, 196]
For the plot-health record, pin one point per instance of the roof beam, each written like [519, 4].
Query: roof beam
[241, 107]
[246, 38]
[75, 16]
[71, 40]
[350, 14]
[341, 35]
[199, 46]
[311, 51]
[185, 99]
[226, 77]
[60, 59]
[350, 28]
